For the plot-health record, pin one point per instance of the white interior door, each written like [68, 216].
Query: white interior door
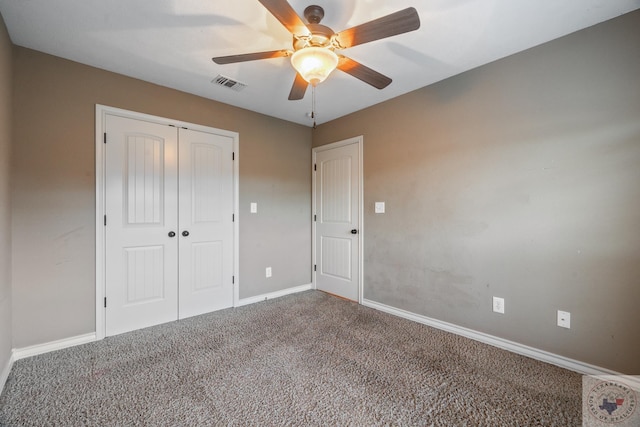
[206, 222]
[169, 230]
[141, 208]
[337, 237]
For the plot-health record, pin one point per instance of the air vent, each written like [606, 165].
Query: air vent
[228, 83]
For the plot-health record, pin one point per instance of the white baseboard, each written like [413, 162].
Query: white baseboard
[21, 353]
[534, 353]
[4, 374]
[34, 350]
[272, 295]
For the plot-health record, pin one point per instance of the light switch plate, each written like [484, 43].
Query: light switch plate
[498, 305]
[254, 207]
[379, 207]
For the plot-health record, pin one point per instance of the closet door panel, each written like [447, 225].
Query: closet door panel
[141, 210]
[206, 222]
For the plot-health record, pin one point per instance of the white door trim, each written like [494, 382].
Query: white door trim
[359, 140]
[101, 112]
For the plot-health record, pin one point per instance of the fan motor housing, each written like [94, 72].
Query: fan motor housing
[320, 34]
[320, 37]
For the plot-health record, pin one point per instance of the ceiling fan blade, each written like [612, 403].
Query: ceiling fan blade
[298, 89]
[366, 74]
[399, 22]
[288, 17]
[250, 56]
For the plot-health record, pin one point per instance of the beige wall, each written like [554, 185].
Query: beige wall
[53, 185]
[519, 179]
[5, 202]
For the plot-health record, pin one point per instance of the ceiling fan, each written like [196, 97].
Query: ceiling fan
[314, 45]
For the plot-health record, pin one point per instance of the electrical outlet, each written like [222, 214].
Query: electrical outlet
[267, 272]
[498, 305]
[564, 319]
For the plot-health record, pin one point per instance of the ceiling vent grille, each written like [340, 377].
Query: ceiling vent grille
[228, 83]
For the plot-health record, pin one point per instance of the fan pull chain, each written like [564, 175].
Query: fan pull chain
[313, 104]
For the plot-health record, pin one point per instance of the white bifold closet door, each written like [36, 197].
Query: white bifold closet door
[169, 233]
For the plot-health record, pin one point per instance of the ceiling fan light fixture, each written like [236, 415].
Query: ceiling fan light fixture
[314, 63]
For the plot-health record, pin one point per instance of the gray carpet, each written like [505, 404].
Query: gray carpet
[303, 359]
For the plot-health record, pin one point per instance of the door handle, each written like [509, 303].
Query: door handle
[354, 231]
[172, 234]
[185, 233]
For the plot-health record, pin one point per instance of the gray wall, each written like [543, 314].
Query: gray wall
[5, 199]
[53, 182]
[519, 179]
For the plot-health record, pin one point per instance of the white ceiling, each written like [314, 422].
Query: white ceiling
[171, 43]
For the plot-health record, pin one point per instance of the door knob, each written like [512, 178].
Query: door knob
[185, 233]
[354, 231]
[172, 234]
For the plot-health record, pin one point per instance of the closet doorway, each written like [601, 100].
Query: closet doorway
[167, 247]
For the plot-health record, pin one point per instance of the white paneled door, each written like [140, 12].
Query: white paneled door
[169, 230]
[337, 236]
[205, 213]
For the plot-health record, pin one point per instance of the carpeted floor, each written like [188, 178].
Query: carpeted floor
[303, 359]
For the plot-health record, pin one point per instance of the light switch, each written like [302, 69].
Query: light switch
[254, 207]
[379, 207]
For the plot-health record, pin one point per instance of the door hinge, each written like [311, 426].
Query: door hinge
[104, 138]
[314, 167]
[233, 156]
[105, 302]
[105, 220]
[315, 267]
[315, 218]
[233, 217]
[233, 279]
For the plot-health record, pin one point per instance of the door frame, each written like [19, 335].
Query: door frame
[359, 140]
[102, 111]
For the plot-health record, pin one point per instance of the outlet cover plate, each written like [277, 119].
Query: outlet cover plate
[564, 319]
